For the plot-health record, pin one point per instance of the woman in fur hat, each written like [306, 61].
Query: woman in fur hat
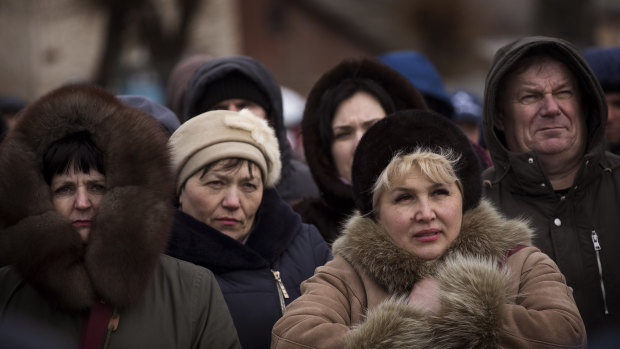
[85, 212]
[232, 220]
[424, 263]
[341, 106]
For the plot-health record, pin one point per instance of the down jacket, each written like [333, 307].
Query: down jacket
[489, 298]
[54, 279]
[578, 228]
[278, 243]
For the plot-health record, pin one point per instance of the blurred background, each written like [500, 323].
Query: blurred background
[130, 46]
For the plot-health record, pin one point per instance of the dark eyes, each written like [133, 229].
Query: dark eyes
[70, 189]
[402, 197]
[531, 98]
[97, 188]
[65, 189]
[341, 134]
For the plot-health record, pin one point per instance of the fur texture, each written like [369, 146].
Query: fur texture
[472, 286]
[131, 227]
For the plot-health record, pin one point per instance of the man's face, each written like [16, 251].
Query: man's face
[612, 129]
[542, 111]
[236, 104]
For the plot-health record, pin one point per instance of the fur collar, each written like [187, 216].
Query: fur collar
[131, 227]
[484, 233]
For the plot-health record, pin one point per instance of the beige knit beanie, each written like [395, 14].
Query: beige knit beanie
[222, 134]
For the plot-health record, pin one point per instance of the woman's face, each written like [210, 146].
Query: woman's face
[352, 119]
[77, 196]
[421, 216]
[225, 199]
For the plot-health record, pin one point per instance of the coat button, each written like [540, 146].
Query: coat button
[530, 160]
[557, 222]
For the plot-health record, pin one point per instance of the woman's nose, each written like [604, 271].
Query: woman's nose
[82, 200]
[424, 211]
[231, 199]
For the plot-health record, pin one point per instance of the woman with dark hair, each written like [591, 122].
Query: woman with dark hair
[341, 106]
[85, 213]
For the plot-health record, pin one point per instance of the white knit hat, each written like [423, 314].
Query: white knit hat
[221, 134]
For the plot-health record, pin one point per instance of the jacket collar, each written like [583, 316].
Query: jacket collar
[368, 247]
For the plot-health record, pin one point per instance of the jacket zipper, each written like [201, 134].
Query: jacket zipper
[281, 289]
[112, 326]
[597, 249]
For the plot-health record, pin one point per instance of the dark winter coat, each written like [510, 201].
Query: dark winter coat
[489, 299]
[296, 181]
[329, 211]
[577, 229]
[56, 278]
[279, 242]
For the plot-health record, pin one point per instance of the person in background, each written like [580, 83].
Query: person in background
[421, 72]
[10, 107]
[544, 120]
[424, 262]
[85, 214]
[232, 220]
[468, 116]
[234, 83]
[342, 105]
[178, 79]
[293, 105]
[605, 63]
[166, 117]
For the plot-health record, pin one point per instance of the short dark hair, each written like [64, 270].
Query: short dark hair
[335, 95]
[75, 152]
[227, 165]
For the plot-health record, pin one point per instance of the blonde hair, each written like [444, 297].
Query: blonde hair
[438, 166]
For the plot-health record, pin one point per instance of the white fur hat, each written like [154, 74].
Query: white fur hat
[222, 134]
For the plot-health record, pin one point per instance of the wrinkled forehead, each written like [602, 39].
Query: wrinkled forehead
[540, 66]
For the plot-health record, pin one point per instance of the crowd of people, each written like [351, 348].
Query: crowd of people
[415, 217]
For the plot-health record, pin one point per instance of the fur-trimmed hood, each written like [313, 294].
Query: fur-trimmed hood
[484, 233]
[133, 221]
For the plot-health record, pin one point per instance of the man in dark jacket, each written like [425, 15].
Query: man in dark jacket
[234, 83]
[544, 123]
[605, 63]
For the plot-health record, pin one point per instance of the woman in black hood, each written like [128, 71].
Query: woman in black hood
[337, 87]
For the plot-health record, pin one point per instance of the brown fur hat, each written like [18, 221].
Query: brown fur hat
[132, 224]
[403, 132]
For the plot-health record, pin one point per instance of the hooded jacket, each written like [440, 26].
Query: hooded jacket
[489, 298]
[278, 242]
[577, 229]
[54, 279]
[296, 181]
[335, 204]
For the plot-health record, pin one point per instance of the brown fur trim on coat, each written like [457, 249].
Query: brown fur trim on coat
[484, 232]
[132, 225]
[472, 285]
